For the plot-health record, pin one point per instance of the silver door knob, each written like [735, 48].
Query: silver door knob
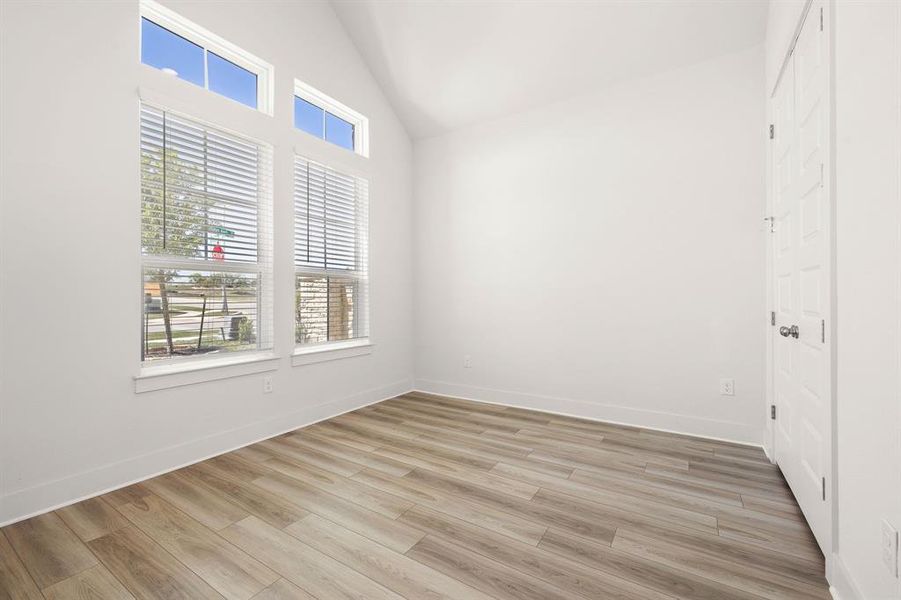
[789, 331]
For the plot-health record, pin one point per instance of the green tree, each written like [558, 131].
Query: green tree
[174, 216]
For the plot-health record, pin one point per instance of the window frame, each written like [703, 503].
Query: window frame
[330, 350]
[210, 42]
[219, 112]
[160, 369]
[328, 104]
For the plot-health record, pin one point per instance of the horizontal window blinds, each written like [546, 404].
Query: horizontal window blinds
[331, 221]
[330, 218]
[204, 192]
[206, 223]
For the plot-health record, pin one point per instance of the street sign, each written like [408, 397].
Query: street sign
[223, 231]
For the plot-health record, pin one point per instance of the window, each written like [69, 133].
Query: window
[227, 78]
[309, 117]
[187, 51]
[330, 255]
[163, 49]
[338, 131]
[206, 205]
[325, 118]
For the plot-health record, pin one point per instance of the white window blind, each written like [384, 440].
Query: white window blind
[331, 247]
[206, 213]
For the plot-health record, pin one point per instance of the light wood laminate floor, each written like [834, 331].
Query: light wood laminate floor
[423, 497]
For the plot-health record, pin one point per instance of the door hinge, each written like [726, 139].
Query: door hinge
[772, 412]
[822, 173]
[773, 318]
[772, 131]
[823, 330]
[821, 18]
[772, 221]
[824, 489]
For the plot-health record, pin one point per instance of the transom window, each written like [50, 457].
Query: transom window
[206, 242]
[328, 119]
[331, 248]
[185, 50]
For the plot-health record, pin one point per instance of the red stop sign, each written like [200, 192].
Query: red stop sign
[218, 252]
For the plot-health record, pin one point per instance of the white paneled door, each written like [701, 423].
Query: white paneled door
[801, 272]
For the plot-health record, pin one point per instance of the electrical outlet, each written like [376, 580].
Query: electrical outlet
[467, 361]
[890, 548]
[267, 384]
[727, 387]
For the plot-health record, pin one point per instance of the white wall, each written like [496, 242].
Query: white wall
[70, 422]
[868, 261]
[603, 256]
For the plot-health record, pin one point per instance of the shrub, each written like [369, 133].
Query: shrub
[245, 331]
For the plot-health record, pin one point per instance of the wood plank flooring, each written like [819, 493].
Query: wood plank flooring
[423, 497]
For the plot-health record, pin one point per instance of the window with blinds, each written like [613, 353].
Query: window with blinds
[331, 224]
[206, 242]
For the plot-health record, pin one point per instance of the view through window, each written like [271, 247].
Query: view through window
[185, 59]
[205, 241]
[317, 121]
[331, 221]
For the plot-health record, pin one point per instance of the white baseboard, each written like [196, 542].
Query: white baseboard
[726, 431]
[45, 497]
[841, 585]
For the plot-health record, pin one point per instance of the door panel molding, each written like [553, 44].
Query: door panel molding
[800, 259]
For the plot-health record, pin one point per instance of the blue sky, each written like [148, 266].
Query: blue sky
[164, 49]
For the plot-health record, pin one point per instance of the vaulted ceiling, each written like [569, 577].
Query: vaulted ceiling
[445, 64]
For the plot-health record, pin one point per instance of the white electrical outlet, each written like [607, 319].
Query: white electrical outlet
[890, 548]
[727, 387]
[267, 384]
[467, 361]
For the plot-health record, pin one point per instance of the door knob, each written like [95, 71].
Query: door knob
[789, 331]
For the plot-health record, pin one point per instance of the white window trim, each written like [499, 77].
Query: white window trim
[211, 42]
[161, 377]
[334, 157]
[315, 353]
[330, 350]
[329, 104]
[188, 100]
[178, 371]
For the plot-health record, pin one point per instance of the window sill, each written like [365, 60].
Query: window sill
[325, 352]
[168, 376]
